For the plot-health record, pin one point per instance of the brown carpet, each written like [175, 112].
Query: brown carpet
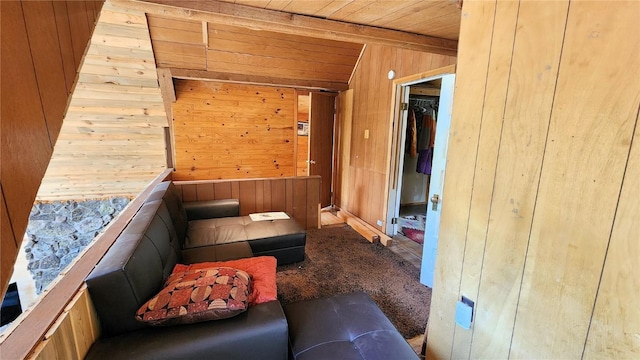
[339, 260]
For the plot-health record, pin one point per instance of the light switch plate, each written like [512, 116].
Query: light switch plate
[366, 134]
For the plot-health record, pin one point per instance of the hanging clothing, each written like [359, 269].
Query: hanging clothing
[424, 161]
[413, 133]
[425, 158]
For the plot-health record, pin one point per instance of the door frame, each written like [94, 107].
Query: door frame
[398, 131]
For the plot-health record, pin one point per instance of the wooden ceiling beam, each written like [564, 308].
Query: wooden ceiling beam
[278, 21]
[257, 80]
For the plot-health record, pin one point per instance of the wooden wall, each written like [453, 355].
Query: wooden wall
[540, 221]
[367, 168]
[74, 331]
[233, 131]
[298, 196]
[112, 140]
[42, 47]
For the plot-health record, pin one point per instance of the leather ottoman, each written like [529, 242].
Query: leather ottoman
[346, 326]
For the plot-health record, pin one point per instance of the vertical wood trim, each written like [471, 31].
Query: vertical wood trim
[476, 28]
[205, 191]
[568, 239]
[313, 203]
[267, 195]
[528, 109]
[235, 190]
[222, 190]
[288, 197]
[247, 197]
[300, 201]
[259, 196]
[189, 193]
[278, 195]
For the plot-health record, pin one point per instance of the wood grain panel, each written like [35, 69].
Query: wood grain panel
[615, 318]
[233, 131]
[568, 239]
[344, 118]
[23, 127]
[492, 118]
[435, 18]
[80, 29]
[300, 201]
[115, 119]
[66, 46]
[527, 113]
[371, 111]
[9, 245]
[298, 196]
[471, 73]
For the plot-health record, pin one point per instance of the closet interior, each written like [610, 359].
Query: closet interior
[418, 154]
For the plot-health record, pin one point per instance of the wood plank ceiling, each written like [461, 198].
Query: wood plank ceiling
[298, 43]
[254, 56]
[440, 19]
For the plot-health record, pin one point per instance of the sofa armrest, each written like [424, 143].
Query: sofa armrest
[209, 209]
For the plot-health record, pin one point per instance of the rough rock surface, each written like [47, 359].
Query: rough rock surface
[59, 231]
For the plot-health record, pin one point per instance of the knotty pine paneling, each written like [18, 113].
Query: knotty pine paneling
[298, 196]
[37, 72]
[526, 229]
[372, 94]
[233, 131]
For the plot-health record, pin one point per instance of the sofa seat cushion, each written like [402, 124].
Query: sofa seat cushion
[346, 326]
[284, 239]
[232, 229]
[197, 295]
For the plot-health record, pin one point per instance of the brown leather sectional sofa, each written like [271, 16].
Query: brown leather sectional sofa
[166, 232]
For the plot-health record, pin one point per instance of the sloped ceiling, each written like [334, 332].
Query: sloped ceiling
[298, 43]
[440, 19]
[265, 55]
[112, 140]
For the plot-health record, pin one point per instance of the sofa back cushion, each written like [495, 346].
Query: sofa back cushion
[134, 269]
[168, 193]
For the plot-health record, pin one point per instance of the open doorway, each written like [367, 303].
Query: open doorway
[419, 146]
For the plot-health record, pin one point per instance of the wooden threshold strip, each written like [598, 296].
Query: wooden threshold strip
[23, 337]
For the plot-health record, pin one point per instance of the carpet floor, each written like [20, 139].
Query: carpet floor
[338, 260]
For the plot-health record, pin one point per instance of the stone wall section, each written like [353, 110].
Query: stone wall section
[59, 231]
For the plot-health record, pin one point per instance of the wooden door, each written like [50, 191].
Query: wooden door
[321, 117]
[436, 186]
